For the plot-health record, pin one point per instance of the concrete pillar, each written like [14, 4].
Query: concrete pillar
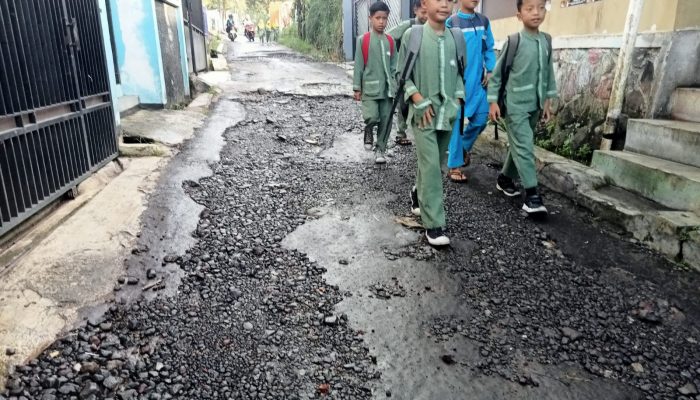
[348, 29]
[622, 71]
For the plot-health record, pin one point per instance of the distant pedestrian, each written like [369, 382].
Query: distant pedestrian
[397, 33]
[434, 90]
[481, 60]
[521, 90]
[268, 31]
[261, 30]
[373, 83]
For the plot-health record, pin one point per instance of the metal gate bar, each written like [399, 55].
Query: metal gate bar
[56, 119]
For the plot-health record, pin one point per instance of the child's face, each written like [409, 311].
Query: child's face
[379, 21]
[421, 14]
[470, 5]
[438, 10]
[532, 13]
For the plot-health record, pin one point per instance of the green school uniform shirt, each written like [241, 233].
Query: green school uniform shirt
[375, 79]
[532, 80]
[436, 77]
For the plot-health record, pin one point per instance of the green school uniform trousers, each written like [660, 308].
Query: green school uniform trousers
[376, 82]
[397, 33]
[531, 83]
[437, 78]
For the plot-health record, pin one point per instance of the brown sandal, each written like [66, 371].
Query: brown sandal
[458, 176]
[403, 142]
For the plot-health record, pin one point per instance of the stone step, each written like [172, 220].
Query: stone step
[668, 183]
[685, 104]
[673, 233]
[677, 141]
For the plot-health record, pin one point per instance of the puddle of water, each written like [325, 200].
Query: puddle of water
[397, 330]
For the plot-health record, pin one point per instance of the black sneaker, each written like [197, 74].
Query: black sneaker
[369, 137]
[436, 237]
[534, 205]
[507, 186]
[415, 206]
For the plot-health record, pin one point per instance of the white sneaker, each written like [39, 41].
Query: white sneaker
[436, 237]
[379, 157]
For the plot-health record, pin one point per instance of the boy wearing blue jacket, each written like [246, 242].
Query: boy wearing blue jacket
[481, 60]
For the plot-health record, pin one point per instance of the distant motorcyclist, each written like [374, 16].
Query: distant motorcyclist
[231, 28]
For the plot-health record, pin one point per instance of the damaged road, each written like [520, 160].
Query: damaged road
[287, 276]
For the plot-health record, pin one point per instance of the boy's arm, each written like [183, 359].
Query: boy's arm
[359, 68]
[395, 32]
[490, 56]
[496, 79]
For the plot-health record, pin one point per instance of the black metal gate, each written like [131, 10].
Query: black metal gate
[196, 38]
[56, 114]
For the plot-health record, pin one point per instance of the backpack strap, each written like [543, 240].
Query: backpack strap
[549, 45]
[392, 44]
[365, 47]
[461, 47]
[511, 50]
[415, 39]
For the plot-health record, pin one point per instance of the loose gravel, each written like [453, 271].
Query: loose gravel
[252, 320]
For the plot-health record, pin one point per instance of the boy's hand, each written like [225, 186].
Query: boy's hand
[358, 95]
[428, 114]
[427, 118]
[494, 112]
[487, 76]
[547, 114]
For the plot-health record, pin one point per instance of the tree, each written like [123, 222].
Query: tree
[225, 6]
[260, 8]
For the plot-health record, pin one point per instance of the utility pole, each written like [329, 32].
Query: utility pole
[622, 70]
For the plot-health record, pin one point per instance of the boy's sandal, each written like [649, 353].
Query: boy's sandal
[403, 141]
[458, 176]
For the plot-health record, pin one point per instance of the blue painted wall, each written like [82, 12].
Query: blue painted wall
[138, 50]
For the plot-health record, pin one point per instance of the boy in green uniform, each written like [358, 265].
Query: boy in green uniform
[397, 33]
[373, 82]
[434, 91]
[529, 91]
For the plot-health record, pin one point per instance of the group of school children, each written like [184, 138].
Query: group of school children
[443, 72]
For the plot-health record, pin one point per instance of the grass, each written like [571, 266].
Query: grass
[294, 42]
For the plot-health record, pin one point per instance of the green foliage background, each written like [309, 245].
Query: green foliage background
[323, 26]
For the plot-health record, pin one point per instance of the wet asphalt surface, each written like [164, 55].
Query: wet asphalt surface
[298, 283]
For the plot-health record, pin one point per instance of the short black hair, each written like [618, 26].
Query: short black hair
[377, 7]
[519, 4]
[417, 4]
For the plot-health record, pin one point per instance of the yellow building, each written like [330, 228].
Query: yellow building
[597, 17]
